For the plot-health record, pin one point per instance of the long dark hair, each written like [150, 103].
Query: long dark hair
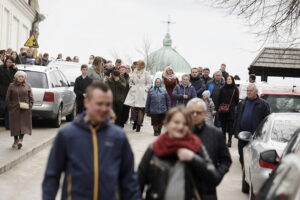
[8, 58]
[17, 60]
[233, 82]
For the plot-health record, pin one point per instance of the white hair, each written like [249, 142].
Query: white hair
[217, 72]
[252, 85]
[197, 101]
[20, 73]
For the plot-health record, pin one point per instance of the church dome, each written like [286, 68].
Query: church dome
[167, 56]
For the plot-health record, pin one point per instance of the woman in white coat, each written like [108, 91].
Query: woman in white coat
[140, 83]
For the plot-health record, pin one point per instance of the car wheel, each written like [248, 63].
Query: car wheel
[58, 119]
[245, 185]
[251, 194]
[72, 116]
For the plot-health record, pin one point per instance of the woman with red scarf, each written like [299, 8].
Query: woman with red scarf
[176, 165]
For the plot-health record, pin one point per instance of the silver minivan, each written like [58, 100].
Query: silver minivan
[53, 96]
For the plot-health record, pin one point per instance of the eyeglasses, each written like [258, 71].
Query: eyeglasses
[197, 112]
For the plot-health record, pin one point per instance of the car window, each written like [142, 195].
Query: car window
[283, 103]
[70, 72]
[262, 128]
[54, 79]
[283, 130]
[37, 79]
[63, 79]
[287, 187]
[293, 145]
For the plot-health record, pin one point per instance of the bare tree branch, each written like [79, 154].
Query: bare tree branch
[144, 51]
[276, 19]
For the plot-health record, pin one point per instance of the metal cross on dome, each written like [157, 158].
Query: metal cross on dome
[169, 23]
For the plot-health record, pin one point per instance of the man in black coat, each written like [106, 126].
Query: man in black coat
[197, 82]
[7, 73]
[81, 83]
[109, 68]
[250, 113]
[213, 140]
[223, 70]
[205, 75]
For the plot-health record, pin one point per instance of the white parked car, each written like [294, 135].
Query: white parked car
[273, 133]
[53, 96]
[70, 69]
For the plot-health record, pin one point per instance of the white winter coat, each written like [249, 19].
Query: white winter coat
[138, 91]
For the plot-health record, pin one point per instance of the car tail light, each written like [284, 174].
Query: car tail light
[264, 164]
[49, 97]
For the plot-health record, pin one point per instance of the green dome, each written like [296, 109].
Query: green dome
[167, 56]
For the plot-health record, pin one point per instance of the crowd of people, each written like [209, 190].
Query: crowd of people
[194, 120]
[187, 161]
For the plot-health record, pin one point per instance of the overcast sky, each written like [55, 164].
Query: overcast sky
[205, 36]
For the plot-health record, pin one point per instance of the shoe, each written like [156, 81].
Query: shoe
[138, 128]
[15, 144]
[134, 126]
[20, 144]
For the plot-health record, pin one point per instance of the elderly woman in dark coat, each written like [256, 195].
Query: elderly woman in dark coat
[184, 91]
[19, 100]
[157, 105]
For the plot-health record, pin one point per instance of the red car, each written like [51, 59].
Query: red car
[282, 99]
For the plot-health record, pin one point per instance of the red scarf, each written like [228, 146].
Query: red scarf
[166, 146]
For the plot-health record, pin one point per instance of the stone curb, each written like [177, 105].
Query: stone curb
[26, 155]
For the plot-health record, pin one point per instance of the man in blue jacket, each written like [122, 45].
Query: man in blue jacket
[93, 154]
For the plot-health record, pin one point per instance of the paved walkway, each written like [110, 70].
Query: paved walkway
[26, 177]
[40, 138]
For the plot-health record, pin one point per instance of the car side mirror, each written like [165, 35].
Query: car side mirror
[245, 136]
[269, 158]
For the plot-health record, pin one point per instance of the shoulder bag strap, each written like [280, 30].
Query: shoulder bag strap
[232, 96]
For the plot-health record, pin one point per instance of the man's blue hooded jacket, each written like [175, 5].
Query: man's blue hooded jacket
[98, 163]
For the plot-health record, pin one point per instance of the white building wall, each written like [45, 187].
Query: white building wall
[16, 18]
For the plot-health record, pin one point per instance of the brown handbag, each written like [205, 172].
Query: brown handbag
[224, 108]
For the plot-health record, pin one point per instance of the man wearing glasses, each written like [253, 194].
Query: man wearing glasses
[213, 140]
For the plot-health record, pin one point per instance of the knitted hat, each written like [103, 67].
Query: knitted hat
[206, 93]
[20, 73]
